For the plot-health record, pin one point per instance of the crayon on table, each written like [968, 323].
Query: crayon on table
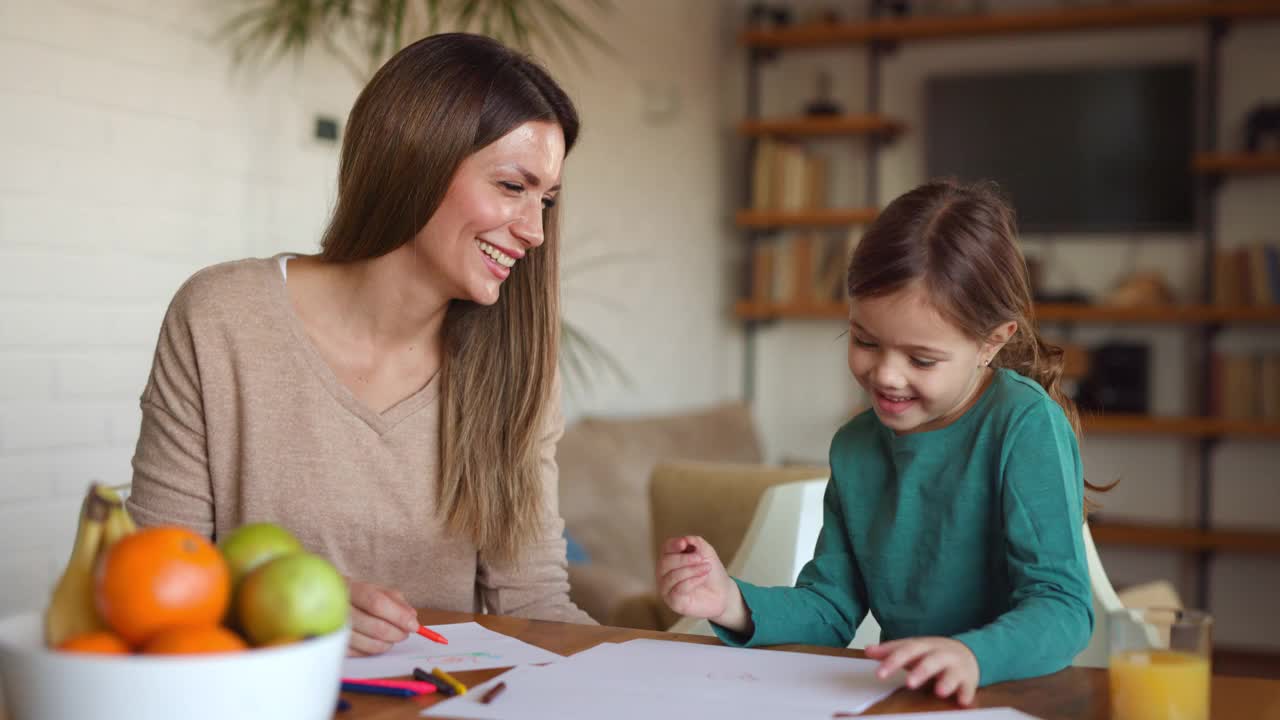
[377, 690]
[430, 634]
[418, 686]
[426, 677]
[492, 693]
[451, 680]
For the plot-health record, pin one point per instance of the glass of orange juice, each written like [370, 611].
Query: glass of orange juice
[1160, 664]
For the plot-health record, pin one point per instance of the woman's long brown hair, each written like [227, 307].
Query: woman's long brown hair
[429, 107]
[961, 242]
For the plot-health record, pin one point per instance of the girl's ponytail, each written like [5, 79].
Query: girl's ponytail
[1029, 355]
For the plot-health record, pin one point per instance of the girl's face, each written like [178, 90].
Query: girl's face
[492, 213]
[920, 371]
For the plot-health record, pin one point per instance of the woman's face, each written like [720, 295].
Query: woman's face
[492, 214]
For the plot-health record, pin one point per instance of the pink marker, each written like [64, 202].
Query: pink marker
[414, 685]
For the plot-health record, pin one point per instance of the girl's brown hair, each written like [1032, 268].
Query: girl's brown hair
[430, 106]
[961, 242]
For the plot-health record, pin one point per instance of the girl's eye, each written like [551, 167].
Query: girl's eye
[922, 363]
[548, 203]
[513, 187]
[862, 343]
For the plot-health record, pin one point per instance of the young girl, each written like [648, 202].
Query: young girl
[954, 511]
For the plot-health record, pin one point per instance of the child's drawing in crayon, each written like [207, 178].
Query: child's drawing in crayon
[455, 659]
[732, 676]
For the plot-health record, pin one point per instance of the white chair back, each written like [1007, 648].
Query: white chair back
[1105, 602]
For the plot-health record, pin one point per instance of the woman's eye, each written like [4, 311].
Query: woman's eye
[922, 363]
[513, 187]
[548, 203]
[863, 343]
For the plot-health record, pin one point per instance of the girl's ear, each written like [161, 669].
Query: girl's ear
[997, 340]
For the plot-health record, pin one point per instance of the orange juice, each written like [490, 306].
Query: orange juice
[1159, 685]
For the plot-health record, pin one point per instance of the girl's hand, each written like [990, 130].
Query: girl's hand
[380, 618]
[692, 581]
[950, 661]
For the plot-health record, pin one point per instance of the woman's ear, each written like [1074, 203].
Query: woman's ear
[997, 340]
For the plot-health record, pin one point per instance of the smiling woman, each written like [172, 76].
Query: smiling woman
[392, 399]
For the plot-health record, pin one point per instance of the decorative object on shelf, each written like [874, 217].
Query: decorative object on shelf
[823, 104]
[1263, 122]
[891, 8]
[1140, 289]
[765, 16]
[1118, 379]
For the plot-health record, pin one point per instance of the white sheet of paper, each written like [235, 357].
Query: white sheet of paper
[984, 714]
[471, 647]
[669, 679]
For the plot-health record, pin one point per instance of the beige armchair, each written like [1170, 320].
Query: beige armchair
[605, 467]
[714, 500]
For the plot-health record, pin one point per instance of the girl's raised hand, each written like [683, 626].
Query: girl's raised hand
[950, 661]
[692, 581]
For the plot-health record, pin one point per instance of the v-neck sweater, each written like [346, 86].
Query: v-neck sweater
[244, 421]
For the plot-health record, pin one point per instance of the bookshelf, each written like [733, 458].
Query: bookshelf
[1040, 21]
[1236, 163]
[1187, 539]
[1201, 320]
[1192, 315]
[866, 124]
[804, 218]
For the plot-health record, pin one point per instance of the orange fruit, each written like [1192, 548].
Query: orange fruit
[101, 642]
[158, 578]
[184, 640]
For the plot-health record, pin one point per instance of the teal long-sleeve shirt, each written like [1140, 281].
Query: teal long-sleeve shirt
[972, 531]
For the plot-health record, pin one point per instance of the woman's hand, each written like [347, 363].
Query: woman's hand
[692, 581]
[950, 661]
[380, 618]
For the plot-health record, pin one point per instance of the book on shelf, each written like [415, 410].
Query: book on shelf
[806, 268]
[1248, 275]
[1245, 387]
[785, 176]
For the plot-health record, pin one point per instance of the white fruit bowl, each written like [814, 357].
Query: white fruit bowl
[290, 682]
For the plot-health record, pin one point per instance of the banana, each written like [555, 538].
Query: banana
[71, 608]
[118, 523]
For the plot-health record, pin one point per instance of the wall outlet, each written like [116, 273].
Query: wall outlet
[326, 128]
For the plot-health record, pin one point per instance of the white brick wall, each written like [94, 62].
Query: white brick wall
[129, 157]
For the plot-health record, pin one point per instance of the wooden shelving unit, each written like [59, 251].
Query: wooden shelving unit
[1181, 538]
[866, 124]
[1088, 314]
[835, 217]
[1160, 315]
[1188, 427]
[1236, 163]
[1042, 21]
[880, 36]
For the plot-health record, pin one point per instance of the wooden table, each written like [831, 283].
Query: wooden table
[1073, 694]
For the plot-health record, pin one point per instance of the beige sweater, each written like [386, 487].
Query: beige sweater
[243, 421]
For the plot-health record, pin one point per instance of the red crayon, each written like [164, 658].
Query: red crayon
[430, 634]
